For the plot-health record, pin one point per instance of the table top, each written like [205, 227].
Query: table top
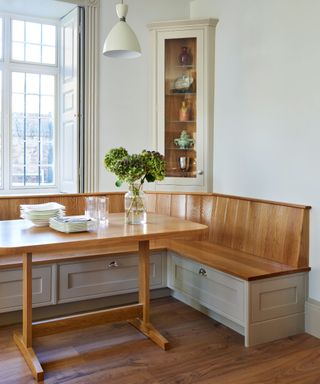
[20, 236]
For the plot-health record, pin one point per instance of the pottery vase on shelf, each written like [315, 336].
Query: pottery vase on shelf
[185, 111]
[134, 204]
[185, 57]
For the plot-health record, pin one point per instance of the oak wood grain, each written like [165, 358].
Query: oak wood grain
[267, 229]
[246, 266]
[18, 236]
[72, 322]
[27, 300]
[203, 351]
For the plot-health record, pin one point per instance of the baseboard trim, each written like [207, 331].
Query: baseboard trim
[312, 319]
[65, 309]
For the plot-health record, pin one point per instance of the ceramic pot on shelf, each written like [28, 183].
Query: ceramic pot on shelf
[185, 57]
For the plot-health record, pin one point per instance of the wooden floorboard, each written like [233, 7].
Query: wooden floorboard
[202, 352]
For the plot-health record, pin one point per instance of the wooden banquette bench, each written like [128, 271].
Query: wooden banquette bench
[250, 271]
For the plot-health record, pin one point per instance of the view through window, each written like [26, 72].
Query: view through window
[29, 115]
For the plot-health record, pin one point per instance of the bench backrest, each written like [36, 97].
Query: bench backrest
[267, 229]
[74, 203]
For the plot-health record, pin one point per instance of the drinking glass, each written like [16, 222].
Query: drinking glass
[91, 207]
[102, 208]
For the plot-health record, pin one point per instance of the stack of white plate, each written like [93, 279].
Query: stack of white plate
[40, 214]
[70, 224]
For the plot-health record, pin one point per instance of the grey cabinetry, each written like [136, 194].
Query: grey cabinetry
[106, 276]
[199, 284]
[11, 288]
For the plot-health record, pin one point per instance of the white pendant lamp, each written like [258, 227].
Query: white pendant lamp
[122, 41]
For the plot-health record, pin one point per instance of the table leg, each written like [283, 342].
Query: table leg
[143, 324]
[24, 340]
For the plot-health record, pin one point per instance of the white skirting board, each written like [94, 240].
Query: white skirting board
[313, 317]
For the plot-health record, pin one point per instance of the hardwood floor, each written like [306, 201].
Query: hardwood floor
[203, 352]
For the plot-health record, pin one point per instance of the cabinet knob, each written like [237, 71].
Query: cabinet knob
[113, 264]
[202, 272]
[200, 172]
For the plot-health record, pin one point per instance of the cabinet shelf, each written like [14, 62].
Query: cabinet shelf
[186, 66]
[179, 149]
[181, 93]
[180, 122]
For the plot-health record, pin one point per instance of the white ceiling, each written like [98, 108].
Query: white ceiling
[43, 8]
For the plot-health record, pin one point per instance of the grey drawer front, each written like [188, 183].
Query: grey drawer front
[11, 288]
[105, 277]
[215, 290]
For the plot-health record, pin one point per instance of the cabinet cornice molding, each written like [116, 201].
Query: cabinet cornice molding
[184, 23]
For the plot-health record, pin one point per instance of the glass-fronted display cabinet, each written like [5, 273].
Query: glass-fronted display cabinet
[182, 101]
[180, 107]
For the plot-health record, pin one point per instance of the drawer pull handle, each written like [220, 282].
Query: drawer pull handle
[202, 272]
[113, 264]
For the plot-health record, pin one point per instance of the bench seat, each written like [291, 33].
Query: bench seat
[233, 262]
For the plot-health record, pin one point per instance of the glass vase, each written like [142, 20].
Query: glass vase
[134, 204]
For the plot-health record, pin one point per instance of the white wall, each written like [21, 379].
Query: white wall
[124, 84]
[267, 104]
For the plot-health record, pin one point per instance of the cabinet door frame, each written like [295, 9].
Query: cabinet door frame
[203, 30]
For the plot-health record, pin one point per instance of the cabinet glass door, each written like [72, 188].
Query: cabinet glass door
[180, 107]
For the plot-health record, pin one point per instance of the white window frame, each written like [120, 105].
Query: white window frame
[7, 66]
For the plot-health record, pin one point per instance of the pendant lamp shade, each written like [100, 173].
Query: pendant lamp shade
[122, 41]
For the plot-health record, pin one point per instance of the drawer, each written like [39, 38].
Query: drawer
[106, 276]
[215, 290]
[11, 288]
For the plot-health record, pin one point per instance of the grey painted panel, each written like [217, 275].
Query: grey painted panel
[11, 288]
[105, 276]
[215, 290]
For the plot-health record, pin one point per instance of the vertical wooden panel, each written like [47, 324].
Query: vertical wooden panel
[303, 260]
[178, 206]
[293, 234]
[164, 204]
[151, 202]
[218, 220]
[240, 225]
[193, 208]
[207, 207]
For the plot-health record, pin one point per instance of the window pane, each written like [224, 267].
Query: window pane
[33, 33]
[32, 132]
[18, 82]
[32, 83]
[33, 42]
[33, 53]
[48, 55]
[18, 104]
[47, 85]
[32, 105]
[47, 106]
[17, 32]
[48, 35]
[18, 51]
[46, 127]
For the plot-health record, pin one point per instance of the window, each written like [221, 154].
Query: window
[29, 88]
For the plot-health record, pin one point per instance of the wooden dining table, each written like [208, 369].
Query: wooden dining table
[20, 237]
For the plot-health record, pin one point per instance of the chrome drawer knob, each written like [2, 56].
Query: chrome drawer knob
[202, 272]
[113, 264]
